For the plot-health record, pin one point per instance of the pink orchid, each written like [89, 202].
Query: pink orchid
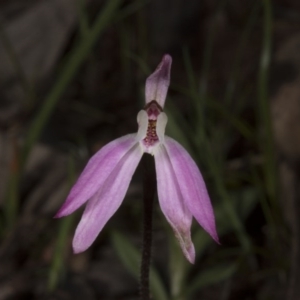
[104, 182]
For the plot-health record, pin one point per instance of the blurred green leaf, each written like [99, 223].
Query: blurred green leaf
[73, 62]
[64, 228]
[130, 257]
[83, 17]
[178, 128]
[179, 267]
[12, 196]
[26, 85]
[237, 123]
[243, 202]
[211, 276]
[266, 141]
[56, 268]
[237, 64]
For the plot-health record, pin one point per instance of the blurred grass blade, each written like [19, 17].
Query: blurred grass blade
[65, 226]
[12, 200]
[207, 56]
[240, 125]
[179, 267]
[215, 169]
[198, 101]
[178, 128]
[198, 104]
[264, 115]
[228, 206]
[244, 40]
[83, 17]
[56, 268]
[13, 57]
[130, 9]
[243, 202]
[140, 62]
[212, 276]
[124, 37]
[73, 62]
[265, 205]
[237, 123]
[12, 197]
[143, 33]
[130, 257]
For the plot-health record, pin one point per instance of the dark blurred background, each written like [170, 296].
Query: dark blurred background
[72, 76]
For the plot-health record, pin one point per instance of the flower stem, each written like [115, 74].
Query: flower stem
[149, 189]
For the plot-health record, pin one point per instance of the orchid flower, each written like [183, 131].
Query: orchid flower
[104, 182]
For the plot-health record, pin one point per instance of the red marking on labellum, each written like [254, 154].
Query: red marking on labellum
[151, 137]
[153, 109]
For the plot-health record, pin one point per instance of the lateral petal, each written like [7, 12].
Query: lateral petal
[172, 203]
[96, 172]
[158, 82]
[106, 201]
[192, 186]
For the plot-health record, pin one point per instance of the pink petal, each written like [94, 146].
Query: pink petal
[157, 83]
[106, 201]
[96, 172]
[172, 203]
[192, 186]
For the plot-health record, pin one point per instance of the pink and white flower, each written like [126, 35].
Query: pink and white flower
[104, 182]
